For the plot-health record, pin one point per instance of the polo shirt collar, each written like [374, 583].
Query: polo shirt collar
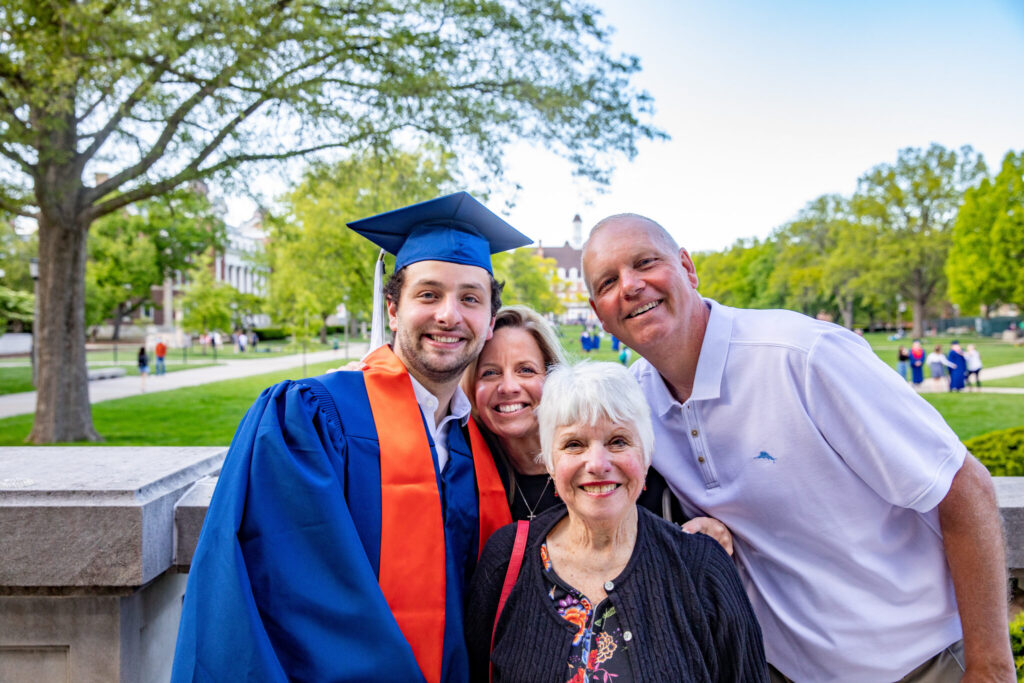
[707, 382]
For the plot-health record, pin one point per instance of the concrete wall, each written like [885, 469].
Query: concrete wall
[88, 589]
[95, 543]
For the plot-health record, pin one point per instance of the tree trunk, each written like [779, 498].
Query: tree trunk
[917, 306]
[118, 315]
[63, 412]
[847, 311]
[323, 330]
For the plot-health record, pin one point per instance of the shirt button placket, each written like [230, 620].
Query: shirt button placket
[697, 446]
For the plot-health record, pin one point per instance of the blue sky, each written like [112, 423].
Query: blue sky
[771, 104]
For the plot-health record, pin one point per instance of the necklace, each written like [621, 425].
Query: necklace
[530, 508]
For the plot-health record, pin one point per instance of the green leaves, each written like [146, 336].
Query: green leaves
[986, 261]
[529, 280]
[318, 263]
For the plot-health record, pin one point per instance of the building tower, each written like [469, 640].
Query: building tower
[577, 232]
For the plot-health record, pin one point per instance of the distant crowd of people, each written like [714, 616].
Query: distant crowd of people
[955, 371]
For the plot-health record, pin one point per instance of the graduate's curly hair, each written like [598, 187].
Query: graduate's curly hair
[393, 290]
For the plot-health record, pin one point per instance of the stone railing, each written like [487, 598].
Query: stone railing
[95, 544]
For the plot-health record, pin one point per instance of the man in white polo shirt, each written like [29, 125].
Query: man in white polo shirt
[867, 537]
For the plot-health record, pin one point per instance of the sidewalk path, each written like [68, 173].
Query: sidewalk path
[1002, 371]
[107, 389]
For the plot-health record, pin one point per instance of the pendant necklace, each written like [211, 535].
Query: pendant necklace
[522, 495]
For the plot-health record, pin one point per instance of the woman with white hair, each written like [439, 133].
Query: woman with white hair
[504, 385]
[605, 589]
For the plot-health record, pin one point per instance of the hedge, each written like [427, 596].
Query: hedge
[1017, 643]
[1002, 452]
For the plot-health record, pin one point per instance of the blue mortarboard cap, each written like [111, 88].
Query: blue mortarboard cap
[454, 228]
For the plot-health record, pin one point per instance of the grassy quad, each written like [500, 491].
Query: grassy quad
[18, 378]
[208, 415]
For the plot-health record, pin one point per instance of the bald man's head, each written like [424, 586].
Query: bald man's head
[652, 228]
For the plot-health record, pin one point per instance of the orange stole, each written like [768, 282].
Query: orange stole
[412, 572]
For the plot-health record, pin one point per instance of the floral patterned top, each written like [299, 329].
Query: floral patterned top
[598, 650]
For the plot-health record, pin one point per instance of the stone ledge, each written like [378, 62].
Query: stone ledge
[190, 511]
[92, 516]
[189, 514]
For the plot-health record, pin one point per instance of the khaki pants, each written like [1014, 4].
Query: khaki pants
[945, 667]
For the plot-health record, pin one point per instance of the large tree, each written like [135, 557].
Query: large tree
[317, 263]
[827, 260]
[986, 262]
[155, 94]
[912, 205]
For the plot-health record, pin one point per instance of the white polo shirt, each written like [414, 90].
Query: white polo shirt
[827, 468]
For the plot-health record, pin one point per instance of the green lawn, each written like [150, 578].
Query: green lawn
[1017, 381]
[16, 379]
[195, 416]
[974, 414]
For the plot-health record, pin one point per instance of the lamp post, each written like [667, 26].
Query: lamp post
[33, 271]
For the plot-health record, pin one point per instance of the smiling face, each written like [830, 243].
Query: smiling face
[441, 320]
[643, 290]
[598, 470]
[509, 380]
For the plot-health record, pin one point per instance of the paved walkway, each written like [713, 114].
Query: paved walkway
[107, 389]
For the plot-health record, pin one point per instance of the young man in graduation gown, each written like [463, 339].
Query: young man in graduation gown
[351, 507]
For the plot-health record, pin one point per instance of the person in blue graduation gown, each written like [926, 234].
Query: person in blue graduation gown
[351, 507]
[958, 371]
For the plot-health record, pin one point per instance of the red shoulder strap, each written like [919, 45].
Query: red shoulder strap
[514, 564]
[493, 506]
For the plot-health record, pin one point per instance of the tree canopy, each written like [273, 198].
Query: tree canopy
[912, 205]
[138, 248]
[103, 104]
[986, 261]
[529, 280]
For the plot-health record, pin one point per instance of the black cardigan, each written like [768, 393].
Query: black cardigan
[679, 596]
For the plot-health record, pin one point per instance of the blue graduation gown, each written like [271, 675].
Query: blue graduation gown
[958, 372]
[283, 583]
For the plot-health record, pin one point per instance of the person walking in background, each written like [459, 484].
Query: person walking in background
[143, 361]
[973, 358]
[957, 367]
[903, 362]
[161, 354]
[937, 364]
[916, 364]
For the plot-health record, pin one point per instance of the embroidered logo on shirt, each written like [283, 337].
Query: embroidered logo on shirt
[764, 456]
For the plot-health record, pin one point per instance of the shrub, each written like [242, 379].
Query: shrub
[270, 333]
[1001, 452]
[1017, 643]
